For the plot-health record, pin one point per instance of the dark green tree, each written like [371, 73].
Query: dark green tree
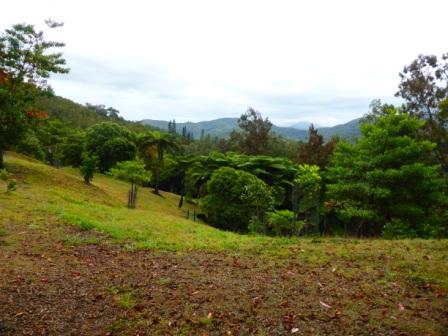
[110, 143]
[162, 142]
[234, 198]
[26, 62]
[387, 183]
[88, 167]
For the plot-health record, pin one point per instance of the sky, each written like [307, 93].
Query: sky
[318, 61]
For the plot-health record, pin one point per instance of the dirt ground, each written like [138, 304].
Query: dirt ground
[48, 287]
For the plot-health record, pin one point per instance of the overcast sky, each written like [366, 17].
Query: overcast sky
[320, 61]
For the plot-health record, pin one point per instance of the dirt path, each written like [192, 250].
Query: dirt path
[50, 288]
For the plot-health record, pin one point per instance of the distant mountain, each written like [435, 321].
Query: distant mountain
[302, 125]
[222, 127]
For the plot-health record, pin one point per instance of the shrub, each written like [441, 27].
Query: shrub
[280, 222]
[234, 197]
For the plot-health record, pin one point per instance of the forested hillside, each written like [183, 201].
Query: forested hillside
[224, 126]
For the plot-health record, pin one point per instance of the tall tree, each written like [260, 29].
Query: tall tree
[25, 65]
[163, 142]
[424, 86]
[315, 151]
[386, 182]
[110, 143]
[256, 132]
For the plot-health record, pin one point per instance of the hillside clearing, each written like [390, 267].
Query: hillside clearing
[74, 260]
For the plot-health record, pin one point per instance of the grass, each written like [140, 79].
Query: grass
[158, 224]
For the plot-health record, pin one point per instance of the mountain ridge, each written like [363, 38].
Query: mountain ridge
[222, 127]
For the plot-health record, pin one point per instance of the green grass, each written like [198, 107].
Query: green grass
[157, 223]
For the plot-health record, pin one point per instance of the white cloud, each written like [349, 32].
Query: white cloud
[322, 61]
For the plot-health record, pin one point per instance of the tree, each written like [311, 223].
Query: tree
[134, 172]
[88, 167]
[386, 182]
[256, 132]
[315, 151]
[163, 142]
[110, 143]
[235, 197]
[424, 87]
[25, 66]
[307, 187]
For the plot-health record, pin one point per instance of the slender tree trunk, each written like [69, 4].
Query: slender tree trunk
[156, 189]
[2, 164]
[181, 201]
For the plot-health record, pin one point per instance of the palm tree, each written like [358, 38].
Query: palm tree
[162, 142]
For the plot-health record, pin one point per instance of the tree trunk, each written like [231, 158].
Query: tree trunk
[156, 189]
[181, 201]
[132, 196]
[2, 164]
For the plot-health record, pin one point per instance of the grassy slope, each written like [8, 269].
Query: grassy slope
[157, 223]
[63, 239]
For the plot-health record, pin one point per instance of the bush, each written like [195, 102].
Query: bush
[234, 197]
[398, 229]
[12, 185]
[280, 222]
[88, 167]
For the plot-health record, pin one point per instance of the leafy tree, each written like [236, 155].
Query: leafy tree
[424, 87]
[134, 172]
[387, 179]
[315, 151]
[88, 167]
[308, 183]
[111, 143]
[256, 132]
[72, 149]
[25, 65]
[233, 198]
[30, 145]
[163, 142]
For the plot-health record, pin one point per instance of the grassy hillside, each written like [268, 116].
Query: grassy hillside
[68, 247]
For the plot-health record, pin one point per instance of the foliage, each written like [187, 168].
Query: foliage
[111, 143]
[281, 222]
[315, 151]
[131, 171]
[162, 142]
[31, 146]
[274, 171]
[386, 179]
[11, 184]
[88, 167]
[307, 183]
[256, 132]
[25, 67]
[233, 198]
[424, 87]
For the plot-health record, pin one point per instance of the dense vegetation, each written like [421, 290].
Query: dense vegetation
[391, 182]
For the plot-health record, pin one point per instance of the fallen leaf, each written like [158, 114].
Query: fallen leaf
[400, 306]
[325, 304]
[294, 330]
